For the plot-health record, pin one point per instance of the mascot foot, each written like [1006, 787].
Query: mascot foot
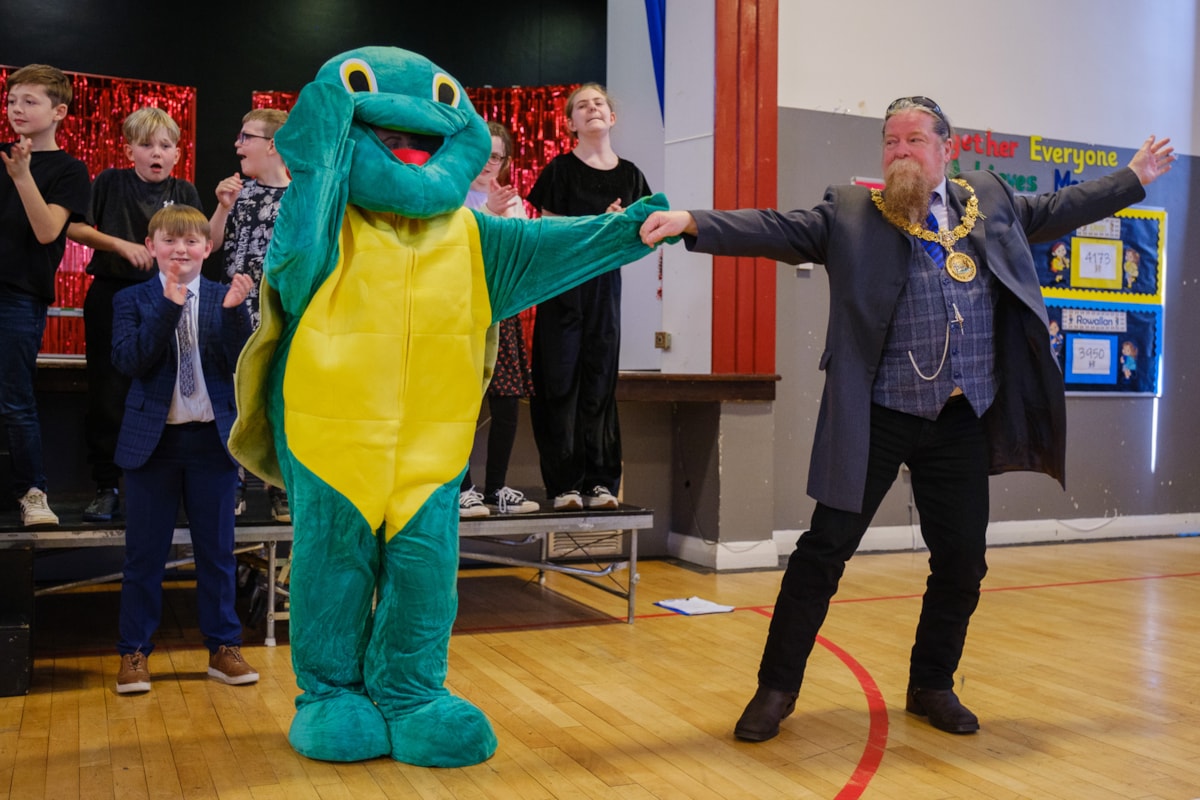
[345, 727]
[447, 732]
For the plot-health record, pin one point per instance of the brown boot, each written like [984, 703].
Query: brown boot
[942, 706]
[760, 721]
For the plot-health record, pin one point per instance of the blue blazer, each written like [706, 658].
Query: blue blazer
[144, 349]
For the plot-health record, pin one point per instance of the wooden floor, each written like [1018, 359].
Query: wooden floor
[1083, 664]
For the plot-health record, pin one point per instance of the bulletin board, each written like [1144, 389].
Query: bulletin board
[1106, 347]
[1119, 258]
[1104, 289]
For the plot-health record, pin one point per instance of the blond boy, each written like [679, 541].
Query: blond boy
[123, 200]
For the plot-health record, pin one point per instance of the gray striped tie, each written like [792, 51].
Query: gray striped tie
[187, 375]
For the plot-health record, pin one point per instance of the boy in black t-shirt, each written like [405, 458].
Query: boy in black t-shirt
[41, 189]
[123, 201]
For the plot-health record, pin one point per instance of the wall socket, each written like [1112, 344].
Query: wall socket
[662, 340]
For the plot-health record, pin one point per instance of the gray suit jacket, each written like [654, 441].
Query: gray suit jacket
[867, 261]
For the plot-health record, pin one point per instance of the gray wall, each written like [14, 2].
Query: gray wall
[1109, 438]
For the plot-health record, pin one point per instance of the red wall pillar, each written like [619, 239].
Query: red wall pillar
[744, 176]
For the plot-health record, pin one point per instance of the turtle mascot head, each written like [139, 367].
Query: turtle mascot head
[401, 98]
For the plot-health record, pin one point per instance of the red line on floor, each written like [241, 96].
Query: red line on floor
[877, 734]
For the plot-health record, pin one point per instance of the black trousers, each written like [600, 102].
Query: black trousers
[573, 411]
[107, 387]
[504, 411]
[948, 459]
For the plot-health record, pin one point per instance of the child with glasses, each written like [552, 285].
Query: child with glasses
[41, 189]
[242, 226]
[123, 200]
[511, 379]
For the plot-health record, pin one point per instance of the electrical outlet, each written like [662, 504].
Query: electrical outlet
[662, 340]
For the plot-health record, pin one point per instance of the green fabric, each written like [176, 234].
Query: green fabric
[371, 620]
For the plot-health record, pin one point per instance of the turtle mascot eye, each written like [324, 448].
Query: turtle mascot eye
[361, 388]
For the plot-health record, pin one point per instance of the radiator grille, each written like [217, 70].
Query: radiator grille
[584, 545]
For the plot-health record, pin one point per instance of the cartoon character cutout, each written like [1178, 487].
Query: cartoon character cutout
[1130, 267]
[1060, 262]
[1129, 355]
[361, 388]
[1056, 341]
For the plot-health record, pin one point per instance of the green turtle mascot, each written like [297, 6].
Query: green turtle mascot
[362, 385]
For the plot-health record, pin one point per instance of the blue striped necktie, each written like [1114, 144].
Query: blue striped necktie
[935, 249]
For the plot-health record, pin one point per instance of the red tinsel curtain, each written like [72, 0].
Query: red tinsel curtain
[92, 133]
[532, 114]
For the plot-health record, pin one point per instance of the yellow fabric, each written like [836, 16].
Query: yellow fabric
[251, 441]
[384, 376]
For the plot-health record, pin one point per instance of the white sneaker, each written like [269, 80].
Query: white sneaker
[568, 501]
[510, 501]
[600, 497]
[35, 511]
[470, 504]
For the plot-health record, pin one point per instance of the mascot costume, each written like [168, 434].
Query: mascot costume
[361, 389]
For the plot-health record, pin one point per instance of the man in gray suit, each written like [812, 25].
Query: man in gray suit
[937, 356]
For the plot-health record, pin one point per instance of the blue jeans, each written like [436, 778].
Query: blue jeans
[22, 321]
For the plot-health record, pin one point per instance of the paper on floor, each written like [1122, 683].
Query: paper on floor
[693, 605]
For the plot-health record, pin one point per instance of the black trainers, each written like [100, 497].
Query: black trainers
[600, 497]
[105, 507]
[510, 501]
[470, 504]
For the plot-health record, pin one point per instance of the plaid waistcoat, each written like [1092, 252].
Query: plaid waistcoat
[926, 323]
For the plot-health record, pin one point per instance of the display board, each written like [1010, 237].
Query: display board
[1105, 283]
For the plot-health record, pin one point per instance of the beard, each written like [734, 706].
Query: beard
[907, 191]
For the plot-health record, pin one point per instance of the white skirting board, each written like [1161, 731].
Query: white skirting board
[1031, 531]
[723, 556]
[766, 554]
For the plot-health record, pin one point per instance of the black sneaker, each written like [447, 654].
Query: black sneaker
[510, 501]
[600, 497]
[105, 507]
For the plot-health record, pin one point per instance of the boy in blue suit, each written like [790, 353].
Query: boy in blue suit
[178, 339]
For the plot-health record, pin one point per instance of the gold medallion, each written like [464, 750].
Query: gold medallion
[961, 267]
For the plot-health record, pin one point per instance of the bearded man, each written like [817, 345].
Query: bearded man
[937, 357]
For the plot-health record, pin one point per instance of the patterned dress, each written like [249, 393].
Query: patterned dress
[247, 234]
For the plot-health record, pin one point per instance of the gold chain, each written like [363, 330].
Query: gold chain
[945, 238]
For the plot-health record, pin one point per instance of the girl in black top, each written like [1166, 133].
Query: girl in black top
[577, 335]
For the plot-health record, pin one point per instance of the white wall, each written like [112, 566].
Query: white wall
[676, 156]
[637, 137]
[1110, 71]
[1103, 71]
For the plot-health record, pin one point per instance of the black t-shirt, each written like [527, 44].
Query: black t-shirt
[122, 205]
[26, 264]
[570, 188]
